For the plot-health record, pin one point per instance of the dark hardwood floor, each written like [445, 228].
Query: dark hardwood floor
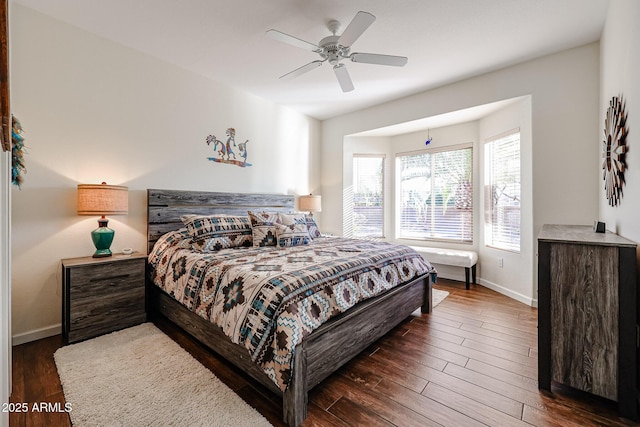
[472, 362]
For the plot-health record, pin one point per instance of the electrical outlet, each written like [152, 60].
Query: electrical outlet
[500, 262]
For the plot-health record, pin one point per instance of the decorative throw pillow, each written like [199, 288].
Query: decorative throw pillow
[302, 218]
[292, 235]
[314, 231]
[263, 228]
[288, 219]
[212, 233]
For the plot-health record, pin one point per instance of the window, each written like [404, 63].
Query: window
[368, 184]
[502, 161]
[436, 194]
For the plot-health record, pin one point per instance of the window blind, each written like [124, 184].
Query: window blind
[368, 197]
[503, 161]
[436, 195]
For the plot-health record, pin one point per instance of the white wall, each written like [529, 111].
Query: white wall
[564, 112]
[96, 111]
[619, 75]
[517, 115]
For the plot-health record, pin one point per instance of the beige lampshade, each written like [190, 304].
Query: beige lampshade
[102, 199]
[310, 203]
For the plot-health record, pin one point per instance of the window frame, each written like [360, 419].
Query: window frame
[398, 192]
[488, 184]
[383, 158]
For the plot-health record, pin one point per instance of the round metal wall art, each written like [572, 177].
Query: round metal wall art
[614, 150]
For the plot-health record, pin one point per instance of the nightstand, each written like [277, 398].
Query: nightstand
[102, 295]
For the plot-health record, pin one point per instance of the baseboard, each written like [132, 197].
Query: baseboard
[510, 293]
[37, 334]
[457, 273]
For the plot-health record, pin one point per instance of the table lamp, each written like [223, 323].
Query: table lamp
[310, 203]
[102, 199]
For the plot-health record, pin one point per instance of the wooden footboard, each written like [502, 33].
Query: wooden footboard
[338, 341]
[321, 353]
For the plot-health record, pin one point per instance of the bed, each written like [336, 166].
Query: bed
[319, 349]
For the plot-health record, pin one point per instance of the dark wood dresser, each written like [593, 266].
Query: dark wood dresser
[588, 313]
[102, 295]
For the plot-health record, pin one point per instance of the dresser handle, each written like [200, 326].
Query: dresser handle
[102, 279]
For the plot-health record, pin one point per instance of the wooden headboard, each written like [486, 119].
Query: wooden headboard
[164, 207]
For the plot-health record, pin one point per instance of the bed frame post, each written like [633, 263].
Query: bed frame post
[294, 399]
[428, 291]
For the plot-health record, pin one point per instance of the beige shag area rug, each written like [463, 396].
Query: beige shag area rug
[438, 296]
[140, 377]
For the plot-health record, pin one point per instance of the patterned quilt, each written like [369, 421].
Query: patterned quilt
[268, 299]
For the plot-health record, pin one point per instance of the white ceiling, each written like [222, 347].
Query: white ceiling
[445, 40]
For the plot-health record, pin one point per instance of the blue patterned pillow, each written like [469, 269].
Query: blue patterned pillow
[288, 219]
[302, 218]
[263, 228]
[314, 231]
[212, 233]
[292, 235]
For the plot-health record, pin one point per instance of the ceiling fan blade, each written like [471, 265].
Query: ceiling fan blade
[374, 58]
[343, 77]
[300, 71]
[356, 27]
[294, 41]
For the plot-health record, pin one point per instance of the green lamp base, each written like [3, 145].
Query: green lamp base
[101, 253]
[102, 238]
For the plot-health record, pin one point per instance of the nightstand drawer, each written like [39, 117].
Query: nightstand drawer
[106, 305]
[119, 274]
[102, 295]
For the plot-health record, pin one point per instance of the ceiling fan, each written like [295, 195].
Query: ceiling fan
[338, 47]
